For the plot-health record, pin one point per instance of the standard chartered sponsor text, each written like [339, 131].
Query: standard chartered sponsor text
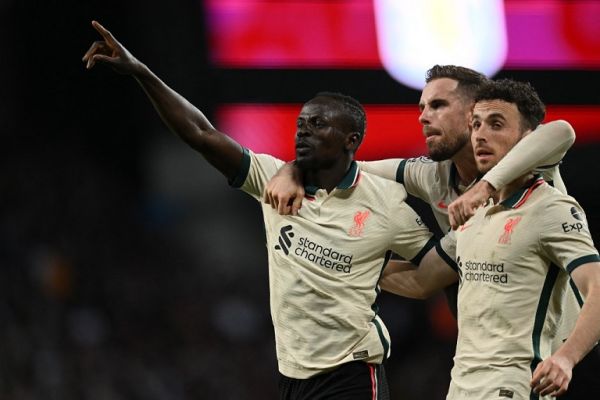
[326, 257]
[484, 272]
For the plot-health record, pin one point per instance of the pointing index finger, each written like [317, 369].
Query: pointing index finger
[104, 32]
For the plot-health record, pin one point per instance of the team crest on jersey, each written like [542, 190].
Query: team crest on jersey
[359, 223]
[509, 227]
[442, 204]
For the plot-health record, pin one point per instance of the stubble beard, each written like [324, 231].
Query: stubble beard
[446, 150]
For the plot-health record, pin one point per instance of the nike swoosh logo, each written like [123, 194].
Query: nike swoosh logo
[441, 204]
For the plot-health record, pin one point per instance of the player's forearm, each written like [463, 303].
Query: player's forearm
[384, 168]
[182, 117]
[400, 278]
[545, 146]
[587, 329]
[432, 275]
[291, 172]
[187, 122]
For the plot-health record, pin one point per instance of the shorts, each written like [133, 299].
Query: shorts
[355, 380]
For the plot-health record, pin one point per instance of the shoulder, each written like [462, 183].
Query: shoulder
[382, 187]
[427, 165]
[555, 207]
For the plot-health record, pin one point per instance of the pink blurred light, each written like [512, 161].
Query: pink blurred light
[392, 130]
[325, 34]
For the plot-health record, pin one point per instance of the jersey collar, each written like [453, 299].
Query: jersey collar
[348, 181]
[519, 198]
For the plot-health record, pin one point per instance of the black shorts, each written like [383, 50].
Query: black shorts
[355, 380]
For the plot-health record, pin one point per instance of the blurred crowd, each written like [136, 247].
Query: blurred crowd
[156, 289]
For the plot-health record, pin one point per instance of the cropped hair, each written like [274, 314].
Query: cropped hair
[468, 80]
[522, 94]
[353, 108]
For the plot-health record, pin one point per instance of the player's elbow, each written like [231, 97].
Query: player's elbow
[566, 131]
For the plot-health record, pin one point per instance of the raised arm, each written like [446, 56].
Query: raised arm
[542, 148]
[180, 116]
[404, 279]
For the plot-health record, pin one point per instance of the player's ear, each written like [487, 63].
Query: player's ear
[353, 141]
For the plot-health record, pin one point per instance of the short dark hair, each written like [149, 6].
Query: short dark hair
[355, 111]
[468, 79]
[522, 94]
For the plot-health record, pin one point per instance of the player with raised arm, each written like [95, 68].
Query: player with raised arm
[324, 265]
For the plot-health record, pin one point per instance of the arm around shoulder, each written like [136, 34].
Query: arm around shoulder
[542, 148]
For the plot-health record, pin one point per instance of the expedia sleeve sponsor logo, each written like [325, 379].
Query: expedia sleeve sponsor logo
[576, 227]
[323, 256]
[483, 271]
[579, 225]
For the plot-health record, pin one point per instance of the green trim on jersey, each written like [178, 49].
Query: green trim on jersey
[417, 259]
[375, 308]
[388, 256]
[522, 193]
[576, 292]
[349, 180]
[453, 178]
[580, 261]
[384, 342]
[242, 174]
[400, 171]
[311, 190]
[540, 317]
[451, 263]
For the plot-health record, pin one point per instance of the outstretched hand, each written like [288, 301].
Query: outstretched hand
[109, 51]
[463, 208]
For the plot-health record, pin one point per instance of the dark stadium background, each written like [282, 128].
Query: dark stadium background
[128, 268]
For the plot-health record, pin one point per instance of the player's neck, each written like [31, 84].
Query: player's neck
[466, 168]
[327, 178]
[512, 187]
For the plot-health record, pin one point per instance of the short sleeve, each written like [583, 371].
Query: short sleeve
[256, 170]
[411, 239]
[418, 175]
[564, 236]
[446, 249]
